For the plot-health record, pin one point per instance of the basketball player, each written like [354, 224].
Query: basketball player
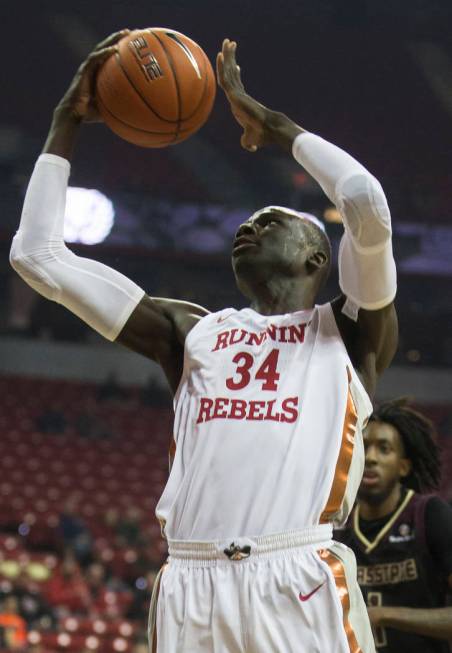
[402, 539]
[269, 401]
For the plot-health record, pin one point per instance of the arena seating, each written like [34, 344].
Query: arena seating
[40, 472]
[122, 465]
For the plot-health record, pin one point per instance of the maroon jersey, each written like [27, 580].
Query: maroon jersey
[396, 567]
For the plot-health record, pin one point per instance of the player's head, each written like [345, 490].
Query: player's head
[400, 446]
[280, 243]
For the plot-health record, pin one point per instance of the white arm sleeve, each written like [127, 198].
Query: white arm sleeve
[367, 272]
[100, 296]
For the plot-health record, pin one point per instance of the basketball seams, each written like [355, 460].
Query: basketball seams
[125, 100]
[105, 109]
[176, 81]
[140, 129]
[137, 91]
[205, 74]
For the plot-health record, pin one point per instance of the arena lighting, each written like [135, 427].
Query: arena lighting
[34, 637]
[89, 216]
[140, 583]
[331, 214]
[92, 642]
[63, 639]
[23, 529]
[99, 626]
[71, 624]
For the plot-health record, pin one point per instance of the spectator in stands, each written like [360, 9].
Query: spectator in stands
[96, 579]
[32, 605]
[89, 421]
[155, 395]
[74, 531]
[402, 539]
[92, 427]
[52, 421]
[128, 528]
[110, 390]
[67, 590]
[139, 608]
[111, 519]
[140, 646]
[109, 596]
[13, 628]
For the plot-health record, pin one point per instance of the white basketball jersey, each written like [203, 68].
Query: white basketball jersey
[268, 427]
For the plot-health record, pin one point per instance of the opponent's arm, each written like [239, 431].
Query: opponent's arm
[433, 622]
[105, 299]
[366, 265]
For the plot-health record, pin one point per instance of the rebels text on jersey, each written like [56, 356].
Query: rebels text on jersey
[254, 409]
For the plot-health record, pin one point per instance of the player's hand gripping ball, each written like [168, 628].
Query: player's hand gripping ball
[157, 89]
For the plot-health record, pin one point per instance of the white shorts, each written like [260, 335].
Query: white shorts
[284, 593]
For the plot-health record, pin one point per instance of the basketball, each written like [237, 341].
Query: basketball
[157, 90]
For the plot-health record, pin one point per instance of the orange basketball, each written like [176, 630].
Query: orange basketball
[157, 90]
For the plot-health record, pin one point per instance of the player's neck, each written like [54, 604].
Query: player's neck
[283, 296]
[371, 511]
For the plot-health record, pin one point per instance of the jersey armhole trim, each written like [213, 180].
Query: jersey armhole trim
[188, 338]
[356, 381]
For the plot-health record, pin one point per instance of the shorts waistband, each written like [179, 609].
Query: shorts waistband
[241, 548]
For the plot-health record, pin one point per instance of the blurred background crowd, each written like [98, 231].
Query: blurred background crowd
[79, 548]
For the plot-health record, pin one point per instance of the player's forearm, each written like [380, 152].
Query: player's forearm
[435, 622]
[326, 163]
[280, 129]
[63, 133]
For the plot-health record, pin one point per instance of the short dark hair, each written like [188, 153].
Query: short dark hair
[419, 439]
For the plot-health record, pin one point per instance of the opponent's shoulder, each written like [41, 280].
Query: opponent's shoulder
[436, 510]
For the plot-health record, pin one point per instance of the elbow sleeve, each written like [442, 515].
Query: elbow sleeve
[364, 209]
[367, 272]
[31, 270]
[100, 296]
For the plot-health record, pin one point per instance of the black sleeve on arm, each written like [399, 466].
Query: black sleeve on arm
[438, 533]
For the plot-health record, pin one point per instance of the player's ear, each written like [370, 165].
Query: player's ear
[317, 260]
[405, 467]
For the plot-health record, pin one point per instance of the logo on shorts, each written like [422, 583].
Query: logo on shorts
[306, 597]
[236, 552]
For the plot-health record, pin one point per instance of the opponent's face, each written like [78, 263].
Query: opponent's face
[385, 462]
[267, 244]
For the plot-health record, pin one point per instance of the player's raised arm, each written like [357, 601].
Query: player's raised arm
[108, 301]
[367, 270]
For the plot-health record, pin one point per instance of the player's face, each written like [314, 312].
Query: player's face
[385, 461]
[269, 244]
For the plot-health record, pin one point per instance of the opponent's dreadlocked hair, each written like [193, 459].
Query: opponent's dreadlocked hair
[419, 440]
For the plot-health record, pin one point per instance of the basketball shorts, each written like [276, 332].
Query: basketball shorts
[287, 593]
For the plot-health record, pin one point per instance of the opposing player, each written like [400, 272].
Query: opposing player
[402, 536]
[269, 401]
